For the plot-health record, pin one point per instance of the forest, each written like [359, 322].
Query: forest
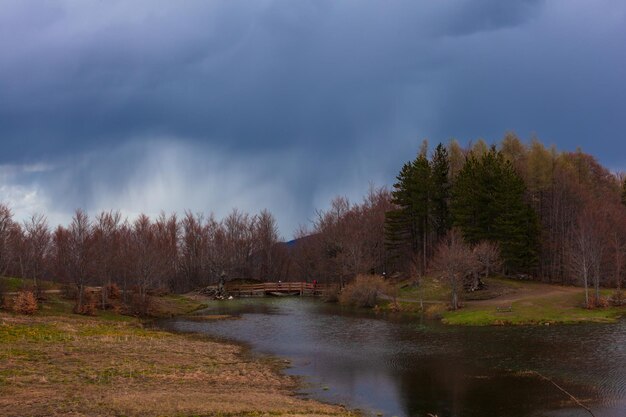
[519, 209]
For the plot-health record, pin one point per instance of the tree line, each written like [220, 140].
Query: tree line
[142, 255]
[554, 216]
[519, 209]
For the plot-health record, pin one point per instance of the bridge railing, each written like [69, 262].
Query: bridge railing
[266, 287]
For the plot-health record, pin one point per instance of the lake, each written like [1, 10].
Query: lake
[401, 366]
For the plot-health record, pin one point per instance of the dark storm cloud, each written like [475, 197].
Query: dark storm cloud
[468, 18]
[317, 96]
[264, 74]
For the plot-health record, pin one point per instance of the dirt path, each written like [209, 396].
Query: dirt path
[42, 291]
[532, 291]
[408, 300]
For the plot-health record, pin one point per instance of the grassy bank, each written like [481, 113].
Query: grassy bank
[11, 284]
[507, 302]
[55, 363]
[561, 309]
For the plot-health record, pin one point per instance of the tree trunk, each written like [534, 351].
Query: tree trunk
[103, 293]
[596, 285]
[455, 297]
[586, 289]
[79, 306]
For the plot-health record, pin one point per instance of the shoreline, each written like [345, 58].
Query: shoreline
[508, 302]
[57, 363]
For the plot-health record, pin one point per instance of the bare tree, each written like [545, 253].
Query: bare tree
[488, 256]
[127, 259]
[107, 250]
[216, 255]
[239, 244]
[36, 247]
[617, 242]
[331, 229]
[6, 248]
[194, 250]
[75, 248]
[167, 231]
[346, 240]
[453, 261]
[588, 249]
[266, 237]
[149, 261]
[306, 255]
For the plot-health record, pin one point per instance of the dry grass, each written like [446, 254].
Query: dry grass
[83, 366]
[365, 291]
[211, 317]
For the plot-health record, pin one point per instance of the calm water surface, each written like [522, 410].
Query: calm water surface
[401, 367]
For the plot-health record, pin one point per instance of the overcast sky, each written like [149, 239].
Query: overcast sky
[207, 105]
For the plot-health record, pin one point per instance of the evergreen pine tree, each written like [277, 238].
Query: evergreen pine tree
[440, 194]
[407, 226]
[488, 204]
[467, 201]
[397, 222]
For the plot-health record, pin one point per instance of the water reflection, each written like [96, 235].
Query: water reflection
[402, 367]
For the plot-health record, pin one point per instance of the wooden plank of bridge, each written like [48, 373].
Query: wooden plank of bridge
[301, 287]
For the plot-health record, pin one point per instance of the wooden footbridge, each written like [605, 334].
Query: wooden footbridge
[277, 289]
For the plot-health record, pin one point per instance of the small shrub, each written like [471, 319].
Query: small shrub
[331, 295]
[89, 305]
[25, 303]
[600, 303]
[395, 307]
[69, 292]
[618, 298]
[138, 305]
[3, 289]
[113, 291]
[364, 291]
[434, 311]
[158, 292]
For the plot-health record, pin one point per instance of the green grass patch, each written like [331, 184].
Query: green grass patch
[165, 306]
[433, 289]
[105, 329]
[55, 306]
[11, 333]
[12, 284]
[427, 288]
[110, 315]
[406, 307]
[565, 309]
